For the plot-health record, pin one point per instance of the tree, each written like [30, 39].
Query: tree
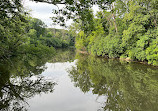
[12, 27]
[37, 25]
[12, 35]
[10, 9]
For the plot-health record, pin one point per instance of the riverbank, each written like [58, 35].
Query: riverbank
[127, 59]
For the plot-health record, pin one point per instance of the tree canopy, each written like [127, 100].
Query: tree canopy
[122, 28]
[128, 29]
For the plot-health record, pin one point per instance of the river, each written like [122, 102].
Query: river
[76, 82]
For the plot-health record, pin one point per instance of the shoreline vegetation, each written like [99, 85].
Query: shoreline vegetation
[120, 59]
[128, 31]
[120, 29]
[31, 36]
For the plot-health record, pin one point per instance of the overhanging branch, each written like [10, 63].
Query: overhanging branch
[51, 1]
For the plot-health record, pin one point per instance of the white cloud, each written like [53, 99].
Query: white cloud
[42, 11]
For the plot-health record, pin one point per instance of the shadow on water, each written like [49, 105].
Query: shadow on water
[126, 86]
[20, 80]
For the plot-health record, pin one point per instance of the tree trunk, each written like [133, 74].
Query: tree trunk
[114, 22]
[113, 16]
[155, 22]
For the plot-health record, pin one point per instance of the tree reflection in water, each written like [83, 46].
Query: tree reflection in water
[127, 86]
[15, 91]
[20, 80]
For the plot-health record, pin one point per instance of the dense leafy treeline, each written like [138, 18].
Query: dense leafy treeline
[51, 37]
[128, 29]
[20, 36]
[124, 28]
[24, 34]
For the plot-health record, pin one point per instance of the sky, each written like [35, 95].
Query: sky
[43, 11]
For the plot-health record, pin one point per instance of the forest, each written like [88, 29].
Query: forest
[31, 36]
[121, 29]
[21, 34]
[127, 30]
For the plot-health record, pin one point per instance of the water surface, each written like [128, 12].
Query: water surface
[65, 97]
[69, 82]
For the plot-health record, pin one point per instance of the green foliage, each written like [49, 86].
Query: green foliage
[81, 41]
[54, 42]
[128, 31]
[152, 51]
[18, 34]
[124, 30]
[12, 36]
[108, 46]
[37, 50]
[37, 25]
[58, 38]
